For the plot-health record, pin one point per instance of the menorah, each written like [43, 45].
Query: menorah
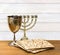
[27, 23]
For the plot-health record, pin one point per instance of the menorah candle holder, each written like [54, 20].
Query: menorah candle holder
[28, 22]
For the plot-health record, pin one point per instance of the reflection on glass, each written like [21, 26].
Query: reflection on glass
[14, 23]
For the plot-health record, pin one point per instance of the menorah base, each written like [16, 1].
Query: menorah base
[24, 38]
[12, 43]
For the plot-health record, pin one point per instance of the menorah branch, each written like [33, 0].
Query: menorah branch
[26, 26]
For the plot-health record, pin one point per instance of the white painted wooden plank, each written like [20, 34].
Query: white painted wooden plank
[46, 27]
[29, 8]
[31, 35]
[39, 1]
[29, 1]
[7, 1]
[38, 27]
[41, 17]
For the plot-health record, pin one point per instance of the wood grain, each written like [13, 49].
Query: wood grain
[5, 49]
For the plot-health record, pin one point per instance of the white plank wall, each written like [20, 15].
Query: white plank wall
[48, 21]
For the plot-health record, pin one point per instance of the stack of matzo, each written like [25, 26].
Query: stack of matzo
[34, 45]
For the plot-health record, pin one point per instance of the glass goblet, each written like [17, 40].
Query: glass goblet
[14, 23]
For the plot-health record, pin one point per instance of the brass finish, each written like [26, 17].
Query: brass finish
[26, 26]
[14, 23]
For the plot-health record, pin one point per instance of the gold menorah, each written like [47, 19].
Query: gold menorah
[27, 23]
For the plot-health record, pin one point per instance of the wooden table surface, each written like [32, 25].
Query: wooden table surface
[5, 49]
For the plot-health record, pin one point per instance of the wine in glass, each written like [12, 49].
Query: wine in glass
[14, 23]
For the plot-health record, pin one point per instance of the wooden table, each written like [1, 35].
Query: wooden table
[9, 50]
